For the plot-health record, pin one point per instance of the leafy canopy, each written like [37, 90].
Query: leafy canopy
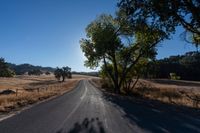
[165, 14]
[62, 73]
[102, 40]
[118, 47]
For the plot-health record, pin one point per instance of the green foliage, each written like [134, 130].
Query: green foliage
[5, 71]
[186, 66]
[174, 76]
[150, 22]
[62, 73]
[166, 15]
[47, 73]
[102, 40]
[58, 73]
[192, 38]
[105, 44]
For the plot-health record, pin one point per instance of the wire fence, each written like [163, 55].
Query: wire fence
[38, 89]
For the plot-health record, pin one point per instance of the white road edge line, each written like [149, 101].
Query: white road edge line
[6, 117]
[84, 94]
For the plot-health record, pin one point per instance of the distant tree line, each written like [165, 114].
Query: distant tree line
[186, 66]
[35, 72]
[9, 70]
[96, 74]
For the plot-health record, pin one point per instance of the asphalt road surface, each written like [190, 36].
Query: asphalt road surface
[88, 110]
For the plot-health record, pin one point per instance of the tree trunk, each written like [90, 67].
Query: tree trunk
[135, 82]
[63, 78]
[116, 75]
[117, 88]
[113, 78]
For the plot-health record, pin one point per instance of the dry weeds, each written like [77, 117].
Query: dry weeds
[28, 93]
[168, 91]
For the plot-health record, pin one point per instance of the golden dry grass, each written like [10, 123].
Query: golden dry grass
[169, 91]
[21, 82]
[28, 93]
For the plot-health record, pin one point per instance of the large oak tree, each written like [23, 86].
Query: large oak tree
[118, 46]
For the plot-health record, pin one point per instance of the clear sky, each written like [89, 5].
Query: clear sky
[47, 32]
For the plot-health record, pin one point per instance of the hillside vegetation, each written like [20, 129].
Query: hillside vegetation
[185, 67]
[23, 68]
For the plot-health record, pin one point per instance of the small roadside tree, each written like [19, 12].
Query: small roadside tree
[62, 73]
[58, 73]
[47, 73]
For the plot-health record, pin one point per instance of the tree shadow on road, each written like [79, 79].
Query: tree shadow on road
[155, 116]
[93, 125]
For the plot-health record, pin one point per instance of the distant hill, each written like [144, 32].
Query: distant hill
[24, 68]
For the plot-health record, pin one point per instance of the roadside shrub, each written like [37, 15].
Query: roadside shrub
[173, 76]
[107, 84]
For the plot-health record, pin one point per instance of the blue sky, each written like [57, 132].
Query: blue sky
[47, 32]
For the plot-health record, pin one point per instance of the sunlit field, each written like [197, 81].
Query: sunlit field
[186, 93]
[22, 90]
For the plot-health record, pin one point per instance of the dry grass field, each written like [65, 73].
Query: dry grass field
[25, 90]
[186, 93]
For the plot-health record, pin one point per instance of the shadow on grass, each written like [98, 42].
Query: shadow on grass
[93, 125]
[176, 82]
[155, 116]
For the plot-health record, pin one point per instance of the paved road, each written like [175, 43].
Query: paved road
[88, 110]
